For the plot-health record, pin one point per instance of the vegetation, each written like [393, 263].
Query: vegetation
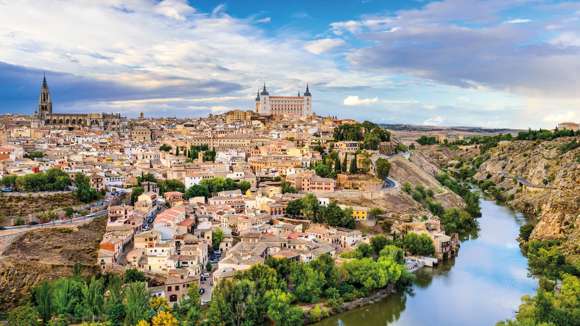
[165, 148]
[271, 292]
[209, 187]
[454, 220]
[287, 188]
[84, 192]
[427, 140]
[34, 155]
[51, 180]
[557, 300]
[331, 214]
[383, 168]
[462, 189]
[107, 299]
[418, 244]
[207, 156]
[370, 134]
[543, 134]
[569, 146]
[216, 238]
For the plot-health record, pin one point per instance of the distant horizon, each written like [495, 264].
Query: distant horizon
[494, 64]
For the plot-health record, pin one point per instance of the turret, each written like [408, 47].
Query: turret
[258, 96]
[307, 93]
[264, 91]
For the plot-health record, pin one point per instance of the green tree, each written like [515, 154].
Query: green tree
[23, 315]
[216, 238]
[311, 207]
[394, 252]
[93, 299]
[136, 302]
[234, 303]
[132, 275]
[165, 148]
[43, 300]
[280, 310]
[84, 192]
[307, 283]
[135, 193]
[294, 208]
[353, 168]
[287, 188]
[378, 243]
[526, 231]
[383, 167]
[418, 244]
[188, 310]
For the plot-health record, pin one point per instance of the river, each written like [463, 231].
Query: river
[482, 286]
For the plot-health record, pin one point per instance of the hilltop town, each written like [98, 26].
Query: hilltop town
[190, 203]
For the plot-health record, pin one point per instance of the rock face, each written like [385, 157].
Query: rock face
[542, 182]
[45, 255]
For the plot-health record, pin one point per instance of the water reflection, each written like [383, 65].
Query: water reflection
[481, 286]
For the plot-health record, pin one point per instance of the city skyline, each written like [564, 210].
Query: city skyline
[453, 62]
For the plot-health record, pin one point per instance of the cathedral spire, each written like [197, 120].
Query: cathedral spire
[44, 102]
[258, 96]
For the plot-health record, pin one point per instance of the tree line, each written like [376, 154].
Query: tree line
[370, 134]
[105, 299]
[331, 214]
[53, 180]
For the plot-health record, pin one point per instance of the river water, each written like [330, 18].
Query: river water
[482, 286]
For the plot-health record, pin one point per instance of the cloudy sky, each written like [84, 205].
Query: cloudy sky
[492, 63]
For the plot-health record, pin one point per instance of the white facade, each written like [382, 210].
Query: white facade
[294, 106]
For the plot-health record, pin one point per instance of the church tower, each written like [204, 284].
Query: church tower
[44, 102]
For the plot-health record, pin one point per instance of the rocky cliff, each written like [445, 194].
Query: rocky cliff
[47, 254]
[542, 180]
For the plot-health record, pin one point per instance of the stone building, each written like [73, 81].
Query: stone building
[44, 113]
[292, 106]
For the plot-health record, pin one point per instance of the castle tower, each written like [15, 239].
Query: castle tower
[44, 102]
[265, 107]
[307, 102]
[258, 101]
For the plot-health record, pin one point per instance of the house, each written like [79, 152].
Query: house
[167, 222]
[173, 198]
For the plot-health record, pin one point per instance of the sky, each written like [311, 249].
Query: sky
[492, 63]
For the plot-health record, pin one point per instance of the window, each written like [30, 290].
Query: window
[169, 288]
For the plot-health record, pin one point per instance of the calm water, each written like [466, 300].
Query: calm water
[482, 286]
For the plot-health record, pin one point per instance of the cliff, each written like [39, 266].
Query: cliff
[47, 254]
[541, 180]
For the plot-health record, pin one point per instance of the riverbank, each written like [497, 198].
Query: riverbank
[481, 286]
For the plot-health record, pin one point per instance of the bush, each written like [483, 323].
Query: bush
[418, 244]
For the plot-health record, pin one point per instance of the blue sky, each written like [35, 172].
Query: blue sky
[492, 63]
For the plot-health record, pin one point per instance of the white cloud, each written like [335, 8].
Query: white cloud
[354, 100]
[434, 121]
[323, 45]
[518, 21]
[176, 9]
[265, 20]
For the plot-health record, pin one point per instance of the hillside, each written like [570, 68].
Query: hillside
[541, 180]
[47, 254]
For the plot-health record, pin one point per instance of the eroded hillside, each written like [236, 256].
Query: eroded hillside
[47, 254]
[542, 180]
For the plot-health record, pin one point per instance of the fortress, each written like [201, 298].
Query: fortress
[292, 106]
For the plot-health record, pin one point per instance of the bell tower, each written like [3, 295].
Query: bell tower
[44, 102]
